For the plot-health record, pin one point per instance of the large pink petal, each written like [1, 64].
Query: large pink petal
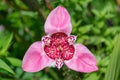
[58, 21]
[83, 60]
[35, 59]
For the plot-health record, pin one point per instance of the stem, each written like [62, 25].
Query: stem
[33, 5]
[48, 5]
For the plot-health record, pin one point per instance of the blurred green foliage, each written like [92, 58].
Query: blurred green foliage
[95, 22]
[113, 71]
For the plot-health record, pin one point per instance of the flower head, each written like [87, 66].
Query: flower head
[58, 45]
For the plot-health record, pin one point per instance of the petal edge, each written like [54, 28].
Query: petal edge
[58, 21]
[35, 59]
[83, 60]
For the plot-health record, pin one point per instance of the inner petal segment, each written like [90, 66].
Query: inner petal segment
[59, 48]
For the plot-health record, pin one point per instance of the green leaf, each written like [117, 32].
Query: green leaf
[4, 66]
[92, 76]
[5, 41]
[112, 30]
[85, 29]
[113, 70]
[14, 61]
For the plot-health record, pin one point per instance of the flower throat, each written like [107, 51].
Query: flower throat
[58, 46]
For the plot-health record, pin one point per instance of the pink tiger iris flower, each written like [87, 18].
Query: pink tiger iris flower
[58, 46]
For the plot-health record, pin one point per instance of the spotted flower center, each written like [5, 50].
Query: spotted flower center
[59, 47]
